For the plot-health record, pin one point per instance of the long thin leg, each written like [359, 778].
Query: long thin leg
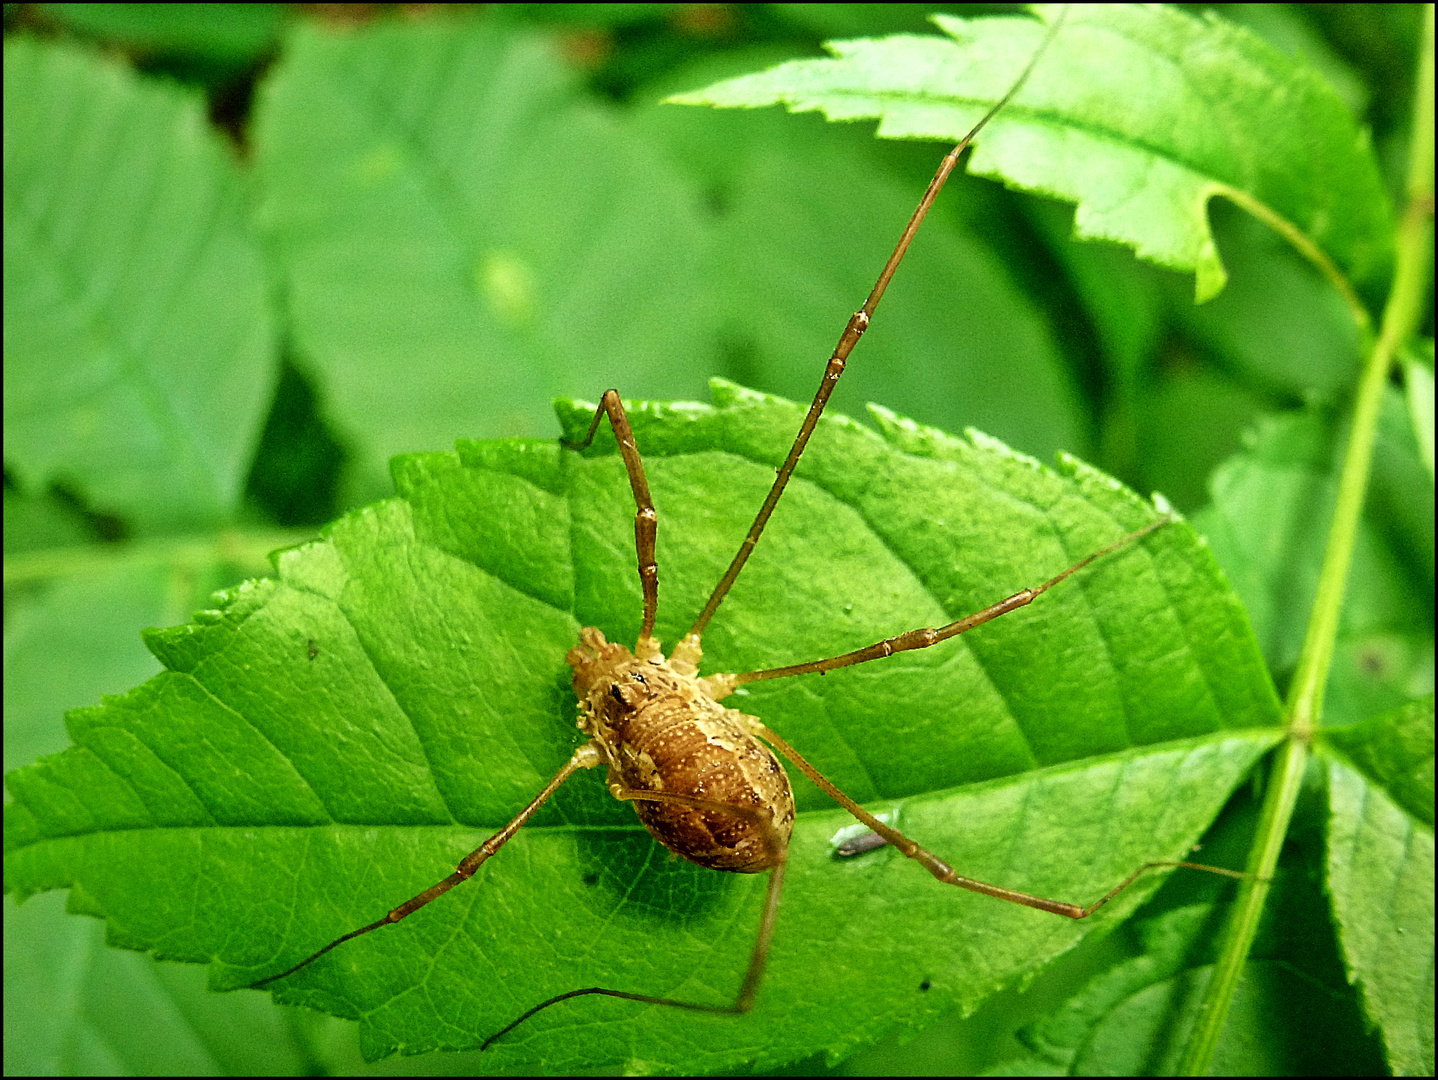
[586, 757]
[858, 323]
[720, 686]
[758, 959]
[942, 870]
[646, 522]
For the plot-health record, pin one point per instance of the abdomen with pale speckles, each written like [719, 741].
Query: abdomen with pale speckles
[707, 755]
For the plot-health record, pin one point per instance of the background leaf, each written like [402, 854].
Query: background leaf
[1132, 1018]
[448, 212]
[1267, 525]
[214, 40]
[105, 314]
[1380, 785]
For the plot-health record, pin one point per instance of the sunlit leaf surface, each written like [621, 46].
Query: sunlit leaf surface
[1138, 115]
[327, 743]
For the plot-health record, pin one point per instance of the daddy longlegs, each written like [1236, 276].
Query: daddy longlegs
[703, 779]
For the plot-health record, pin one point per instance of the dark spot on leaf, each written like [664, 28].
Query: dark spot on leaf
[591, 880]
[1373, 662]
[925, 984]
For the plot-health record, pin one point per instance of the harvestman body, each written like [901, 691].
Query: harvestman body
[702, 777]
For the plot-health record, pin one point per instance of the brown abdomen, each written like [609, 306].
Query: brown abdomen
[709, 757]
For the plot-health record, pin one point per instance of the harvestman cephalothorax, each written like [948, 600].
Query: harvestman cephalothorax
[702, 777]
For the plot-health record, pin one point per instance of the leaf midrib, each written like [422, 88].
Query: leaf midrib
[977, 788]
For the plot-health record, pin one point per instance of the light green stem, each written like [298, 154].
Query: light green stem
[1303, 244]
[1304, 708]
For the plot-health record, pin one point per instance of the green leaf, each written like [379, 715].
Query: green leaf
[325, 744]
[139, 347]
[1268, 524]
[1297, 1013]
[1133, 1019]
[229, 36]
[1208, 108]
[1126, 1038]
[34, 522]
[71, 621]
[1393, 752]
[89, 1009]
[1062, 1036]
[462, 235]
[1380, 873]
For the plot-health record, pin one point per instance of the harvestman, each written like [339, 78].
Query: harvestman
[700, 776]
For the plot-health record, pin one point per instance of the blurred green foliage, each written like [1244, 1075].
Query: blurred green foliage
[236, 343]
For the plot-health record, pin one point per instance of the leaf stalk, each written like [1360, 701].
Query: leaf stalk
[1305, 246]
